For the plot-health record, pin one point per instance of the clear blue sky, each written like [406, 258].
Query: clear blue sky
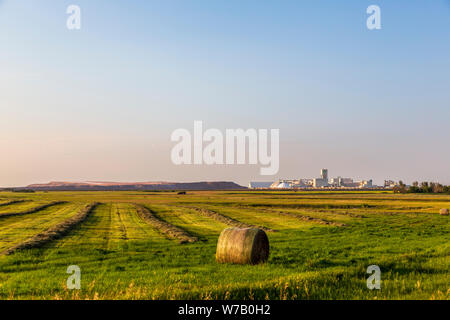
[100, 103]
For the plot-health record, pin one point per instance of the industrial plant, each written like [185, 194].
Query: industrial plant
[322, 182]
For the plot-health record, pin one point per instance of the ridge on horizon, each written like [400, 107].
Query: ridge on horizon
[149, 185]
[90, 182]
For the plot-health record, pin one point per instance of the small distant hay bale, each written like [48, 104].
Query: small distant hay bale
[444, 212]
[242, 246]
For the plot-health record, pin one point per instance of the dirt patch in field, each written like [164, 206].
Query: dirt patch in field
[164, 227]
[53, 233]
[32, 210]
[227, 220]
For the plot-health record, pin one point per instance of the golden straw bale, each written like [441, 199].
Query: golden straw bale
[242, 246]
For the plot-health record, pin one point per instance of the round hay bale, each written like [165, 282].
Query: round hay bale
[444, 212]
[242, 246]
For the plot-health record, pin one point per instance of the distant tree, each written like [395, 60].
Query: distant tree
[400, 188]
[23, 190]
[425, 186]
[436, 187]
[414, 188]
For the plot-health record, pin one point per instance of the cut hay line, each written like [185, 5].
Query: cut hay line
[317, 206]
[399, 213]
[164, 227]
[8, 203]
[32, 210]
[53, 233]
[227, 220]
[123, 230]
[312, 219]
[348, 214]
[307, 208]
[307, 218]
[300, 216]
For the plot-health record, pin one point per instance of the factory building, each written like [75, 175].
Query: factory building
[324, 174]
[322, 182]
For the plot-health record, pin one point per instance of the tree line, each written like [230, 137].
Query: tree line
[423, 187]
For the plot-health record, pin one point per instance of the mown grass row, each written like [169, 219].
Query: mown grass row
[301, 216]
[54, 232]
[17, 228]
[227, 220]
[261, 217]
[8, 203]
[316, 206]
[32, 210]
[164, 227]
[311, 219]
[108, 229]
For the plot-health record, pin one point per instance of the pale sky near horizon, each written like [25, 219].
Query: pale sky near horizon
[100, 103]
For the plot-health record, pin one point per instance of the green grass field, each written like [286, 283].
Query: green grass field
[321, 246]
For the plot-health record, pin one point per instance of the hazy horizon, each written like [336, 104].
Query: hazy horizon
[100, 103]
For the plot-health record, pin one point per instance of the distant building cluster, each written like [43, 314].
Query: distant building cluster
[390, 184]
[323, 182]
